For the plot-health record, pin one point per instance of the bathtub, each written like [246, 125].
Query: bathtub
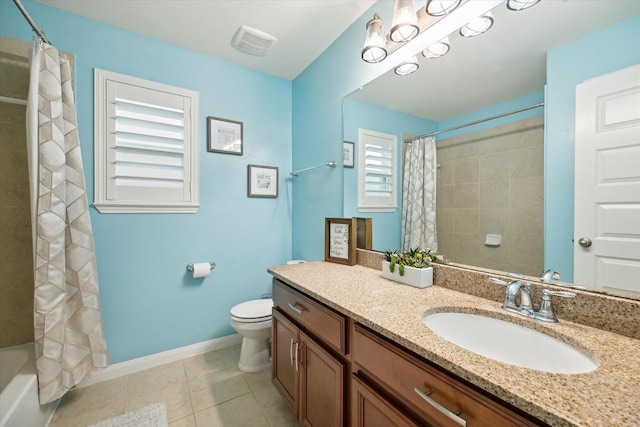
[19, 404]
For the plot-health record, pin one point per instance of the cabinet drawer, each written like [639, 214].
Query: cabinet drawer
[319, 320]
[369, 409]
[426, 390]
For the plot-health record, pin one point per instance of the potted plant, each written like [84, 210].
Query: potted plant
[411, 268]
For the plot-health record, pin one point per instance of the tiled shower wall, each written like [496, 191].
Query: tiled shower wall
[491, 182]
[16, 267]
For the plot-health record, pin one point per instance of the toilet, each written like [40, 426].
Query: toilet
[252, 320]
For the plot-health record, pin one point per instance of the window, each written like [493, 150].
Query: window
[146, 154]
[377, 171]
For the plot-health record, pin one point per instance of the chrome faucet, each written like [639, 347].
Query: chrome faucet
[514, 289]
[548, 275]
[517, 288]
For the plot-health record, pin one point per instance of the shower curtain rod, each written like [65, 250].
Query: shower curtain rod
[520, 110]
[34, 27]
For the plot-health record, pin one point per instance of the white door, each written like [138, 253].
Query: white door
[607, 182]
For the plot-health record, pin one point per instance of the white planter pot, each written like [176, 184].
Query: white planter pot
[417, 277]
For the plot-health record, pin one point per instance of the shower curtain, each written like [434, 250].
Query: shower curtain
[69, 337]
[419, 195]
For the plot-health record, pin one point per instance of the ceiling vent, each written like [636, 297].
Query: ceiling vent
[252, 41]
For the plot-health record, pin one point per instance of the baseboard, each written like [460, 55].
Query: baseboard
[153, 360]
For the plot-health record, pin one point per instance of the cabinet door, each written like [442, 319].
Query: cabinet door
[369, 409]
[284, 358]
[322, 385]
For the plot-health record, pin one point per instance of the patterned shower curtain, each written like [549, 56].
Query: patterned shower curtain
[419, 195]
[69, 337]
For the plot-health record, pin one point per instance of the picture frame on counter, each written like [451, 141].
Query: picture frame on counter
[340, 240]
[224, 136]
[262, 181]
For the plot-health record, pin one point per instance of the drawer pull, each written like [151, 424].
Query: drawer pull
[295, 308]
[452, 416]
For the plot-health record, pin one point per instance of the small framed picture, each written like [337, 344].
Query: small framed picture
[347, 154]
[224, 136]
[262, 181]
[340, 240]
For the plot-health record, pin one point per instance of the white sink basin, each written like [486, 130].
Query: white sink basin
[509, 343]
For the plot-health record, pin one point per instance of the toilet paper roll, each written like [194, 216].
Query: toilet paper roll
[201, 269]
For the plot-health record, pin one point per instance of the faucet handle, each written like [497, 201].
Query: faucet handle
[546, 311]
[563, 294]
[499, 281]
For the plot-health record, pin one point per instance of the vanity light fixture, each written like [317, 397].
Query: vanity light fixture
[405, 21]
[411, 28]
[375, 49]
[407, 67]
[521, 4]
[477, 25]
[441, 7]
[437, 49]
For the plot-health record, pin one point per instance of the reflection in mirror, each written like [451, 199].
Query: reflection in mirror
[510, 177]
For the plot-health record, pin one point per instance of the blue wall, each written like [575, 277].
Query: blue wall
[602, 52]
[317, 131]
[357, 114]
[149, 303]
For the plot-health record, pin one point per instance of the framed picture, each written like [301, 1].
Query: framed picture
[262, 181]
[224, 136]
[347, 154]
[340, 240]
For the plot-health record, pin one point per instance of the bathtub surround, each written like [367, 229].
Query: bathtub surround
[16, 260]
[69, 336]
[491, 181]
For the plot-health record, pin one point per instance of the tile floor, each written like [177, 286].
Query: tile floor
[203, 391]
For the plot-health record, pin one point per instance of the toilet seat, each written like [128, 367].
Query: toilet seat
[253, 311]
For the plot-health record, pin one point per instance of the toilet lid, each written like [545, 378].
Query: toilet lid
[254, 309]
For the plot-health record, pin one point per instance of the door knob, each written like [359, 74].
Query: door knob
[585, 242]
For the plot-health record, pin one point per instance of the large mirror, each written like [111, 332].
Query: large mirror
[517, 170]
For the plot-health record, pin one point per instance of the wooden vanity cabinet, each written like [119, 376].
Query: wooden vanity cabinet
[334, 372]
[418, 390]
[306, 368]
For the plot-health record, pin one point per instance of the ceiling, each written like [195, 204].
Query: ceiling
[304, 28]
[506, 62]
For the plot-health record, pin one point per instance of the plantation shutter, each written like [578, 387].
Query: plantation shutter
[377, 171]
[148, 154]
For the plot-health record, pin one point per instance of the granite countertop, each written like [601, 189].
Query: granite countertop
[608, 396]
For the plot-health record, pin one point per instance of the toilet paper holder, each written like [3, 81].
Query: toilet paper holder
[212, 265]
